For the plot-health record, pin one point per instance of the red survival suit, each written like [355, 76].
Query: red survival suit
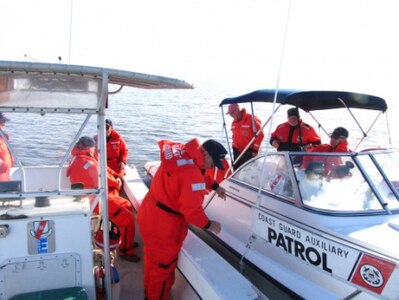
[329, 162]
[117, 152]
[84, 169]
[173, 201]
[6, 160]
[215, 176]
[289, 136]
[243, 132]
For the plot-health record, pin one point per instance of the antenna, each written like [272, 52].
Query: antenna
[70, 33]
[31, 58]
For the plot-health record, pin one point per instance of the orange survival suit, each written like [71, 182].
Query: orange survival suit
[173, 201]
[215, 176]
[292, 138]
[329, 162]
[84, 169]
[6, 160]
[117, 152]
[242, 133]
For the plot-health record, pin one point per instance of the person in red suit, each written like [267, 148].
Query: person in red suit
[294, 135]
[173, 201]
[332, 165]
[245, 129]
[83, 170]
[215, 176]
[117, 151]
[6, 159]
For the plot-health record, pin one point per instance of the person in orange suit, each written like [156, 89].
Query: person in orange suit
[84, 170]
[338, 143]
[215, 176]
[244, 129]
[173, 201]
[294, 135]
[6, 159]
[117, 151]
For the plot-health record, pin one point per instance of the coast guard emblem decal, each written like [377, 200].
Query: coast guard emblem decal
[41, 237]
[373, 273]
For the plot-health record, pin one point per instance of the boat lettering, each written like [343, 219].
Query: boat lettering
[295, 247]
[167, 152]
[327, 246]
[289, 230]
[266, 219]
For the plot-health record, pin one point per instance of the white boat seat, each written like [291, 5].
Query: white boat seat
[34, 175]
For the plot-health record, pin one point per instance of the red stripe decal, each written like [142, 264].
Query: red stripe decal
[40, 229]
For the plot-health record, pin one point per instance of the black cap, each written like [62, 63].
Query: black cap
[108, 122]
[216, 151]
[3, 118]
[340, 132]
[85, 142]
[293, 112]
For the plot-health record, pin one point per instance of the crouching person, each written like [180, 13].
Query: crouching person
[174, 200]
[83, 170]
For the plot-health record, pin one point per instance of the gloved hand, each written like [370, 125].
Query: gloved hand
[215, 227]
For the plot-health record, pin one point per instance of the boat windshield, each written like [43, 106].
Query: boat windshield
[45, 115]
[49, 92]
[365, 182]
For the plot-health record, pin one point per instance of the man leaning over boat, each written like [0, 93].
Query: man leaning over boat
[175, 200]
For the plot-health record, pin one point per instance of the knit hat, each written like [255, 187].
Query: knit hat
[293, 112]
[216, 151]
[3, 118]
[85, 142]
[340, 132]
[232, 107]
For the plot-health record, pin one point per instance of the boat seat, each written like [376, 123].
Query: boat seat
[76, 293]
[10, 186]
[34, 175]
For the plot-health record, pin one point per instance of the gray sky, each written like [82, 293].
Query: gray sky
[338, 44]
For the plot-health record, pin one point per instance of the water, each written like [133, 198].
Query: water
[145, 116]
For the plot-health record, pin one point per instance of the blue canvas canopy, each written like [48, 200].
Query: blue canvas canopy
[313, 100]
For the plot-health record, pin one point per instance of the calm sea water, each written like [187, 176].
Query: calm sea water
[145, 116]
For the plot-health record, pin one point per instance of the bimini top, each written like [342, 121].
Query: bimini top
[60, 88]
[119, 77]
[313, 100]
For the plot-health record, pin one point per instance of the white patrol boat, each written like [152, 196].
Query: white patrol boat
[46, 227]
[327, 231]
[321, 233]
